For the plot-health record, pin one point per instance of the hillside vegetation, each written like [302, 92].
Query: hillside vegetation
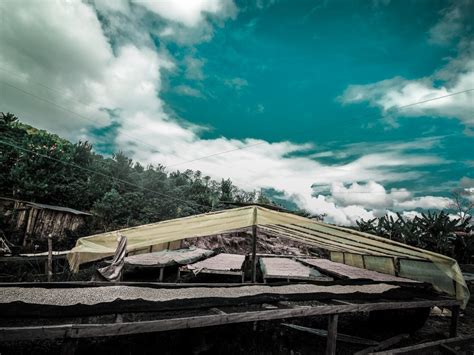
[42, 167]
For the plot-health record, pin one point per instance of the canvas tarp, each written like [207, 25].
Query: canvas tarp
[347, 246]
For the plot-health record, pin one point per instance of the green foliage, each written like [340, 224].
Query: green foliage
[433, 231]
[118, 191]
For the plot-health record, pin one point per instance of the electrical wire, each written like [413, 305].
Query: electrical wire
[101, 174]
[95, 121]
[201, 157]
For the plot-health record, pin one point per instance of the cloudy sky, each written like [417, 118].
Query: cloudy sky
[318, 93]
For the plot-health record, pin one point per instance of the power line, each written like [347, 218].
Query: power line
[134, 185]
[211, 155]
[46, 87]
[433, 99]
[199, 158]
[67, 110]
[95, 121]
[101, 174]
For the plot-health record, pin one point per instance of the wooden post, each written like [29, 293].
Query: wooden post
[254, 253]
[453, 329]
[50, 258]
[162, 270]
[69, 346]
[332, 334]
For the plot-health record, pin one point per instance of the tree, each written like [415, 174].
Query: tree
[438, 232]
[463, 202]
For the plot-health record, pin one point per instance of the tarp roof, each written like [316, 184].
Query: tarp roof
[373, 252]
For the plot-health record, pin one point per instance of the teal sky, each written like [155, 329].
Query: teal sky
[294, 59]
[303, 99]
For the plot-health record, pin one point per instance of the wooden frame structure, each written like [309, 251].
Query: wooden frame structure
[287, 276]
[217, 311]
[77, 331]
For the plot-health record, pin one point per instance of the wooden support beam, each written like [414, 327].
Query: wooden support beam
[216, 310]
[69, 346]
[116, 329]
[254, 253]
[383, 344]
[332, 334]
[448, 349]
[341, 302]
[323, 333]
[50, 258]
[162, 271]
[453, 329]
[415, 349]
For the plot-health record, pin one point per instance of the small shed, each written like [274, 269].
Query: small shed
[38, 220]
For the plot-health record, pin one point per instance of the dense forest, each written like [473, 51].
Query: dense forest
[42, 167]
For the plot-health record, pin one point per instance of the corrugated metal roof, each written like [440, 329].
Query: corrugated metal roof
[57, 208]
[47, 207]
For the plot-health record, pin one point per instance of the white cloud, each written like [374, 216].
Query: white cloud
[457, 75]
[426, 202]
[394, 93]
[194, 68]
[236, 83]
[64, 47]
[122, 6]
[454, 20]
[369, 195]
[192, 12]
[55, 44]
[187, 91]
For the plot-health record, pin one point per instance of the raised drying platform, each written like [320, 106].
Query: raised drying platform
[220, 264]
[350, 272]
[167, 257]
[288, 269]
[64, 300]
[204, 316]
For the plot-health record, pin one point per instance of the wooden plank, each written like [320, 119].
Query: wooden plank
[448, 349]
[425, 346]
[49, 263]
[383, 344]
[347, 271]
[288, 268]
[220, 272]
[69, 346]
[116, 329]
[323, 333]
[87, 284]
[341, 302]
[298, 278]
[332, 334]
[453, 328]
[217, 310]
